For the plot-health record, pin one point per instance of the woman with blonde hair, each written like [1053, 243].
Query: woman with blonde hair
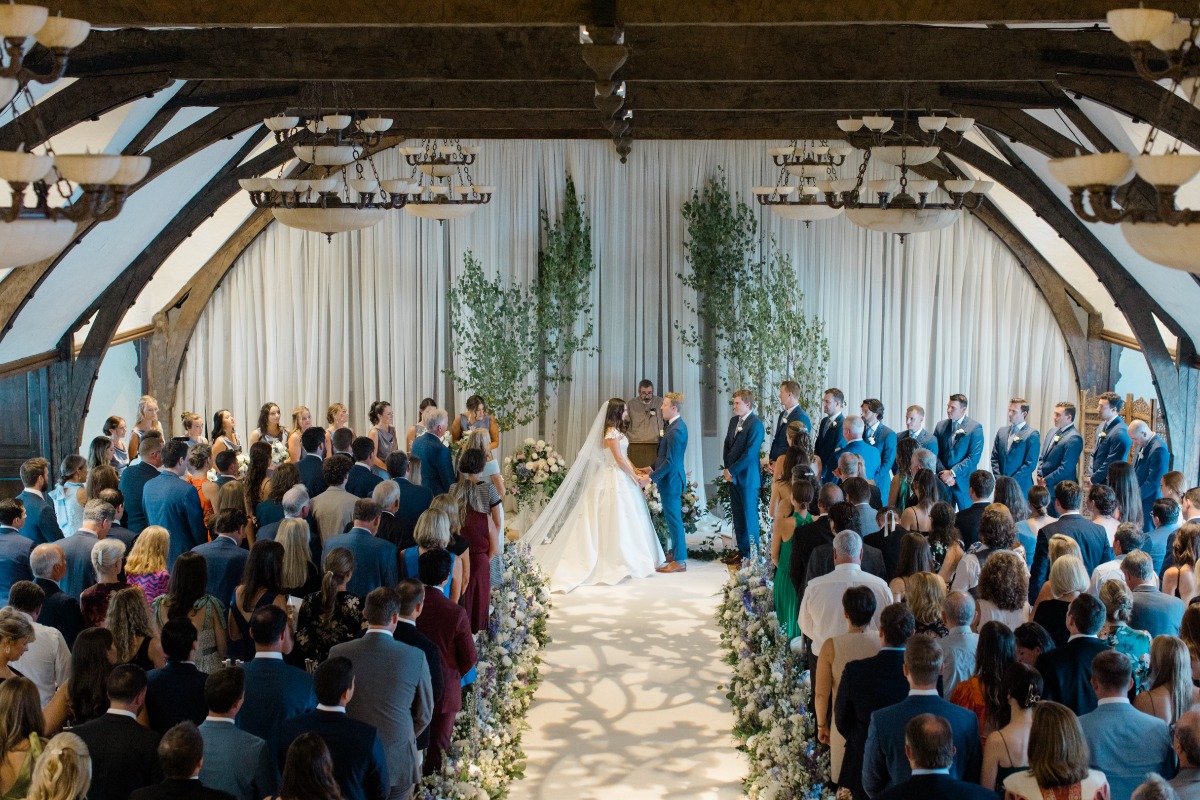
[146, 421]
[146, 566]
[64, 772]
[1058, 546]
[199, 462]
[301, 421]
[1116, 633]
[331, 615]
[1058, 760]
[1173, 485]
[1068, 579]
[299, 576]
[453, 505]
[1168, 689]
[1180, 580]
[433, 533]
[193, 428]
[16, 632]
[924, 593]
[480, 440]
[1003, 591]
[107, 555]
[132, 628]
[336, 416]
[22, 731]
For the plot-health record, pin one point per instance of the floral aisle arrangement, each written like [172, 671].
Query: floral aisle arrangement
[770, 693]
[692, 512]
[486, 754]
[535, 471]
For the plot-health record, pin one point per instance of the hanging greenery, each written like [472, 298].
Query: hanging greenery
[564, 289]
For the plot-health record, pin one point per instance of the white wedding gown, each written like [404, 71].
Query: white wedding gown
[596, 529]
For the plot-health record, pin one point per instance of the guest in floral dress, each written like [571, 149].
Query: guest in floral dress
[1116, 633]
[147, 563]
[332, 615]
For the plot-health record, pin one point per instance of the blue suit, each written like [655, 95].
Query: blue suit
[41, 524]
[884, 761]
[924, 440]
[274, 692]
[133, 485]
[437, 469]
[670, 477]
[1112, 445]
[374, 560]
[1152, 463]
[1060, 459]
[237, 762]
[1126, 744]
[740, 456]
[960, 454]
[226, 562]
[1016, 457]
[359, 762]
[884, 440]
[867, 453]
[14, 560]
[173, 503]
[362, 481]
[829, 440]
[779, 444]
[311, 475]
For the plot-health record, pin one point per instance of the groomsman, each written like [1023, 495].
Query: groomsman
[883, 439]
[742, 470]
[914, 427]
[789, 398]
[1112, 438]
[1015, 451]
[852, 431]
[1152, 463]
[1060, 451]
[829, 436]
[959, 447]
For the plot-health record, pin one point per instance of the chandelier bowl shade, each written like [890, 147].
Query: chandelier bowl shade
[805, 212]
[87, 168]
[897, 155]
[25, 241]
[1175, 246]
[439, 170]
[325, 155]
[441, 211]
[329, 220]
[63, 33]
[1139, 24]
[19, 167]
[1097, 169]
[959, 185]
[1168, 169]
[1173, 37]
[131, 170]
[902, 220]
[21, 21]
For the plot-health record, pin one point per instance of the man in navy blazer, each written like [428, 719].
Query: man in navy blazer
[1067, 671]
[437, 468]
[41, 525]
[742, 470]
[670, 476]
[1061, 449]
[829, 438]
[362, 480]
[1015, 450]
[374, 559]
[135, 477]
[173, 503]
[225, 557]
[359, 763]
[852, 432]
[412, 602]
[414, 500]
[1112, 437]
[883, 439]
[885, 763]
[275, 691]
[959, 447]
[1092, 539]
[59, 610]
[175, 691]
[235, 761]
[312, 445]
[1153, 461]
[914, 427]
[929, 747]
[789, 398]
[15, 549]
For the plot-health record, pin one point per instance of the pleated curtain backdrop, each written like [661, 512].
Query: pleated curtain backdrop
[301, 321]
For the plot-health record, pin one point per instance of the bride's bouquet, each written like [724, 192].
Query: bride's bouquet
[535, 471]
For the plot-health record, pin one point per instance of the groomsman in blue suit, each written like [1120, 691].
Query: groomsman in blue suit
[1060, 451]
[914, 428]
[959, 446]
[1112, 437]
[829, 438]
[883, 439]
[1015, 451]
[669, 475]
[789, 398]
[742, 470]
[852, 432]
[1153, 461]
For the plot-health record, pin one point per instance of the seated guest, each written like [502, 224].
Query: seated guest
[47, 661]
[14, 548]
[1006, 751]
[868, 685]
[124, 754]
[1157, 613]
[335, 506]
[312, 445]
[414, 499]
[1058, 759]
[146, 565]
[308, 771]
[332, 615]
[446, 624]
[1125, 741]
[996, 532]
[135, 636]
[270, 509]
[433, 533]
[22, 735]
[186, 598]
[59, 610]
[412, 602]
[929, 748]
[1032, 641]
[884, 761]
[181, 754]
[237, 762]
[960, 642]
[981, 488]
[1067, 671]
[362, 480]
[1002, 590]
[84, 697]
[1092, 539]
[175, 692]
[914, 557]
[1168, 691]
[107, 555]
[1179, 579]
[260, 587]
[925, 593]
[97, 520]
[1116, 633]
[1165, 521]
[374, 559]
[300, 576]
[274, 690]
[359, 763]
[1067, 581]
[1128, 538]
[983, 693]
[224, 555]
[172, 502]
[65, 773]
[1187, 747]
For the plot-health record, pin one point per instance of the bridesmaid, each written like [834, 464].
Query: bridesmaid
[791, 511]
[269, 430]
[301, 421]
[475, 418]
[147, 420]
[193, 428]
[114, 428]
[337, 416]
[224, 433]
[383, 434]
[419, 428]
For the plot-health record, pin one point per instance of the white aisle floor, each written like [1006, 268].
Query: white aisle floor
[630, 706]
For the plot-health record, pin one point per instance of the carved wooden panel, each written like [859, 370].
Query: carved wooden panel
[24, 426]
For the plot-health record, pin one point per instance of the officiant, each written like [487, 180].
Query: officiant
[645, 427]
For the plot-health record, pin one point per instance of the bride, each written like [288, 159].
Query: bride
[597, 529]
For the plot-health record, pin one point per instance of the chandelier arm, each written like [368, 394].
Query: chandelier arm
[14, 50]
[12, 212]
[1141, 62]
[57, 70]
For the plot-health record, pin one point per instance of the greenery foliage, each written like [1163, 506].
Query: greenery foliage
[564, 289]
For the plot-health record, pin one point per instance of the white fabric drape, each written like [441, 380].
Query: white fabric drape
[299, 320]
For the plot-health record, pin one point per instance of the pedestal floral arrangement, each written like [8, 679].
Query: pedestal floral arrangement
[533, 473]
[692, 512]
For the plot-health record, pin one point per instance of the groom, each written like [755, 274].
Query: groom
[742, 469]
[670, 477]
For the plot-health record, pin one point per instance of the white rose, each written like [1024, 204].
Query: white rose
[528, 440]
[554, 467]
[541, 443]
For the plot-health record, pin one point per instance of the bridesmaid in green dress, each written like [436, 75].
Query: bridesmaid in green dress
[790, 513]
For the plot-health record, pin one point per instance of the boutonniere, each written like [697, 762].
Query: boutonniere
[1016, 437]
[1101, 435]
[871, 440]
[739, 429]
[958, 432]
[652, 412]
[1056, 438]
[661, 433]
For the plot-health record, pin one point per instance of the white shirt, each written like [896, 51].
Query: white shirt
[335, 709]
[1108, 571]
[922, 693]
[1105, 701]
[211, 718]
[412, 622]
[31, 490]
[821, 614]
[47, 662]
[269, 654]
[120, 712]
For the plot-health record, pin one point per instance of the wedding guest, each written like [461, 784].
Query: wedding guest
[1092, 539]
[1011, 497]
[181, 753]
[41, 523]
[64, 773]
[260, 587]
[60, 610]
[275, 690]
[386, 495]
[1032, 641]
[47, 660]
[858, 492]
[269, 510]
[22, 736]
[187, 598]
[1153, 611]
[363, 478]
[924, 593]
[823, 595]
[1173, 485]
[1058, 759]
[981, 487]
[454, 507]
[238, 762]
[1060, 545]
[332, 614]
[414, 468]
[433, 533]
[193, 429]
[224, 555]
[83, 696]
[98, 518]
[1002, 591]
[787, 603]
[334, 507]
[134, 634]
[107, 555]
[308, 771]
[960, 643]
[901, 489]
[482, 530]
[1067, 671]
[1128, 539]
[175, 691]
[124, 754]
[1006, 750]
[224, 433]
[1187, 747]
[414, 499]
[170, 501]
[1102, 508]
[437, 471]
[101, 479]
[135, 478]
[269, 430]
[996, 533]
[228, 469]
[258, 476]
[1168, 690]
[983, 693]
[1179, 580]
[145, 422]
[70, 495]
[1061, 448]
[929, 749]
[375, 559]
[810, 537]
[944, 542]
[1067, 581]
[16, 633]
[858, 606]
[1164, 521]
[15, 549]
[1116, 633]
[199, 462]
[382, 435]
[1124, 483]
[300, 575]
[146, 566]
[1039, 509]
[1189, 632]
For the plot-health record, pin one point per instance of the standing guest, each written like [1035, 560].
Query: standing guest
[187, 598]
[1002, 591]
[308, 771]
[1112, 437]
[228, 469]
[224, 433]
[852, 431]
[981, 488]
[181, 754]
[482, 530]
[644, 425]
[275, 691]
[270, 509]
[146, 566]
[1116, 633]
[1179, 579]
[996, 532]
[418, 428]
[1102, 508]
[269, 430]
[100, 453]
[1061, 449]
[858, 492]
[382, 436]
[1015, 450]
[124, 754]
[960, 643]
[101, 479]
[363, 480]
[47, 661]
[859, 607]
[386, 495]
[929, 748]
[437, 470]
[1128, 539]
[301, 421]
[1173, 485]
[959, 447]
[1091, 538]
[1153, 611]
[135, 636]
[1032, 641]
[1187, 747]
[175, 691]
[1058, 760]
[238, 762]
[1122, 477]
[106, 566]
[70, 494]
[923, 495]
[332, 615]
[14, 548]
[823, 595]
[1189, 632]
[914, 427]
[335, 506]
[60, 610]
[411, 593]
[901, 490]
[84, 696]
[295, 506]
[830, 438]
[193, 429]
[1168, 690]
[740, 457]
[1124, 742]
[41, 524]
[117, 500]
[1067, 671]
[1006, 750]
[815, 534]
[199, 462]
[258, 476]
[883, 439]
[843, 517]
[314, 447]
[65, 773]
[340, 440]
[97, 519]
[414, 468]
[433, 533]
[924, 593]
[260, 587]
[1067, 581]
[224, 555]
[1039, 508]
[146, 422]
[170, 501]
[787, 602]
[375, 559]
[300, 576]
[983, 693]
[1164, 522]
[22, 736]
[479, 440]
[414, 499]
[115, 429]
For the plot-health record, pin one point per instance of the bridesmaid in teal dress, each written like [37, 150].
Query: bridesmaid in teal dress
[790, 514]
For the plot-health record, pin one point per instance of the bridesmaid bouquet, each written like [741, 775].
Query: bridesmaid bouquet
[279, 452]
[535, 471]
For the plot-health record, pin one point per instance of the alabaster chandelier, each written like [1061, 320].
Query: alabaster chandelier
[815, 165]
[1164, 50]
[441, 182]
[67, 189]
